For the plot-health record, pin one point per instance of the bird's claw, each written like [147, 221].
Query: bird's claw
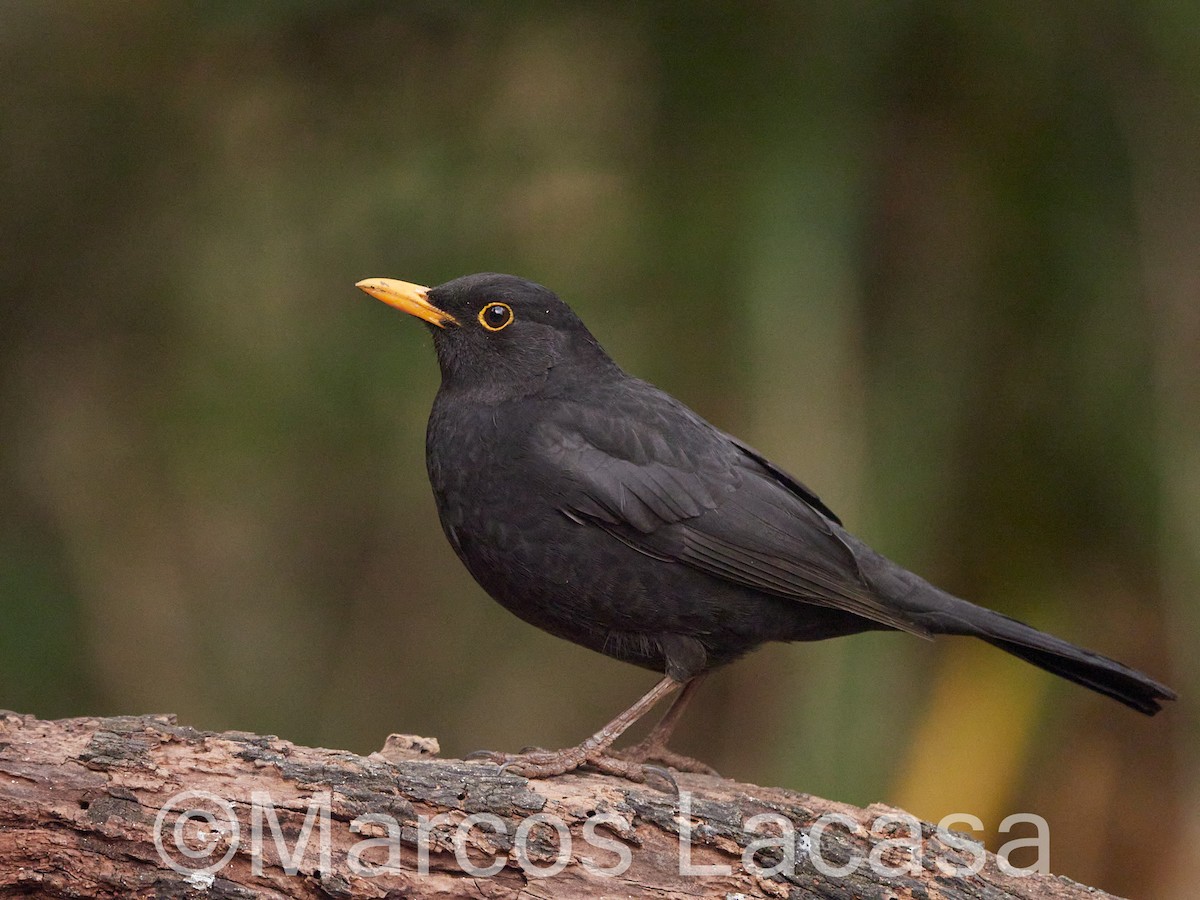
[548, 764]
[646, 752]
[504, 759]
[486, 755]
[544, 763]
[664, 774]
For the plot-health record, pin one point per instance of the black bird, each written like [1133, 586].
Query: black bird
[601, 509]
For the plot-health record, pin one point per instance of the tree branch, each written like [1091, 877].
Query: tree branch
[88, 808]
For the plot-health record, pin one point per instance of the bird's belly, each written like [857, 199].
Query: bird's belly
[553, 573]
[580, 583]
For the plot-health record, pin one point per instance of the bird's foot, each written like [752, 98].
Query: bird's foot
[655, 751]
[538, 763]
[498, 757]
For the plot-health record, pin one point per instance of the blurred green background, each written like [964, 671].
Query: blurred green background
[940, 260]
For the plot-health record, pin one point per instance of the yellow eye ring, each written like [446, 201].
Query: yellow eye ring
[496, 316]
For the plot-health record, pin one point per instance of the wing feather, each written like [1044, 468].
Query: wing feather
[704, 499]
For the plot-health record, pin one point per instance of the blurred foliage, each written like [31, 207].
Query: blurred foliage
[938, 259]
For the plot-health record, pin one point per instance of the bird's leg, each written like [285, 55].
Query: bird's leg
[593, 751]
[653, 747]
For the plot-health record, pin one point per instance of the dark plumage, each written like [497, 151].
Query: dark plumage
[597, 507]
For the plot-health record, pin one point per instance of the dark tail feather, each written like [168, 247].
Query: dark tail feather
[943, 613]
[1101, 674]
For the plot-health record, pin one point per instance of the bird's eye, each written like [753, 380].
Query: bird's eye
[496, 316]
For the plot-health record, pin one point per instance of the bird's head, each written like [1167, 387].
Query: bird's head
[495, 332]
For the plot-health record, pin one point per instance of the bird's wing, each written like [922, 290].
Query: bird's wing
[786, 479]
[662, 480]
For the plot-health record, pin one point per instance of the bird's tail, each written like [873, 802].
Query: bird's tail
[1101, 674]
[938, 612]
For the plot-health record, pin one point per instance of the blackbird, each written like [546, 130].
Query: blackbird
[601, 509]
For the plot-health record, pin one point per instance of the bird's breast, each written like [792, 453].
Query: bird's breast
[482, 482]
[501, 512]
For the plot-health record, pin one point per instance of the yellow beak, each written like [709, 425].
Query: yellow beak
[409, 298]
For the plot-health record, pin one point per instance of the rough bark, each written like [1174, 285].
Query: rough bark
[82, 800]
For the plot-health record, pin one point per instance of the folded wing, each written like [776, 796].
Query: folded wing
[701, 498]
